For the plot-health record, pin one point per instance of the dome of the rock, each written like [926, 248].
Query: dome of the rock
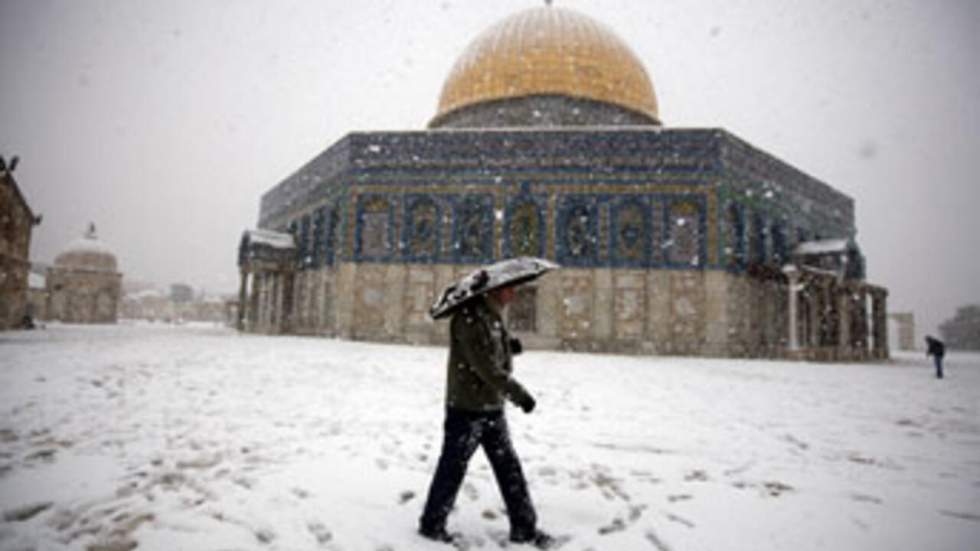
[549, 51]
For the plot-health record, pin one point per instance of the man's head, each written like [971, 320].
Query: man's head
[503, 295]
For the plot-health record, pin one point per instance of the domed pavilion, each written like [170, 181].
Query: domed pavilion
[84, 285]
[547, 141]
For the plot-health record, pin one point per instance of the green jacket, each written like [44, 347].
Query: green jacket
[479, 371]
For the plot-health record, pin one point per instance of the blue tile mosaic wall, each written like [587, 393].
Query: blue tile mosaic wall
[577, 233]
[524, 224]
[420, 229]
[319, 235]
[588, 197]
[685, 229]
[473, 222]
[632, 237]
[374, 239]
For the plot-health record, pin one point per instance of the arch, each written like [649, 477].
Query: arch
[420, 231]
[524, 226]
[631, 232]
[577, 236]
[473, 228]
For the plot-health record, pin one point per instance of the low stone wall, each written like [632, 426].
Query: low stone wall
[83, 296]
[711, 313]
[684, 312]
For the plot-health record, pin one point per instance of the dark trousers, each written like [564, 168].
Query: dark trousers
[463, 431]
[939, 365]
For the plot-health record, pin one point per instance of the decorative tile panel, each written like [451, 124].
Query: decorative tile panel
[420, 230]
[375, 228]
[473, 224]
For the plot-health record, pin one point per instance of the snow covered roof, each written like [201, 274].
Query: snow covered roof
[146, 293]
[824, 246]
[274, 239]
[88, 245]
[87, 253]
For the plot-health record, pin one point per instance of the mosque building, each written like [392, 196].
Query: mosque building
[547, 141]
[83, 285]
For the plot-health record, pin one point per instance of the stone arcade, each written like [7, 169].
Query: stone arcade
[547, 141]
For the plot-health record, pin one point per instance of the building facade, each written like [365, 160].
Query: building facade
[17, 221]
[547, 142]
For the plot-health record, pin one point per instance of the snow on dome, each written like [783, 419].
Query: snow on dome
[87, 253]
[545, 51]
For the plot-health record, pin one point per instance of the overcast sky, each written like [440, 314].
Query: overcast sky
[164, 121]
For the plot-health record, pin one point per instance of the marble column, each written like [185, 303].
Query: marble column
[242, 286]
[793, 277]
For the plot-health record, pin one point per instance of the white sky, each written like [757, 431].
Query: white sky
[164, 122]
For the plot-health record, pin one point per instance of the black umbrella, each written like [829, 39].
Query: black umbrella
[513, 271]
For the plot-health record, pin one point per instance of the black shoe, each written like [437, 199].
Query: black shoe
[438, 534]
[537, 538]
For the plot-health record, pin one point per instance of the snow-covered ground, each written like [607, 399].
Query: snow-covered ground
[199, 438]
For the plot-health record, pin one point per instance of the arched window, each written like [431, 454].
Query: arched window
[757, 240]
[778, 235]
[473, 229]
[305, 251]
[578, 225]
[374, 238]
[684, 227]
[631, 233]
[421, 234]
[735, 236]
[319, 235]
[524, 230]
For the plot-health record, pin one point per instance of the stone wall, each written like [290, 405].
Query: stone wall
[83, 296]
[16, 222]
[674, 312]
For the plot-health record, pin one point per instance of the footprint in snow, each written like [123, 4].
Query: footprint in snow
[655, 540]
[696, 476]
[864, 498]
[320, 532]
[265, 536]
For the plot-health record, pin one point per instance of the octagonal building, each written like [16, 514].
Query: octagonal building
[84, 284]
[547, 141]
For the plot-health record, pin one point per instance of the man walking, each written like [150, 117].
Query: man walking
[936, 349]
[479, 380]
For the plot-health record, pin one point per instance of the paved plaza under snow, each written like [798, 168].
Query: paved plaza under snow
[199, 438]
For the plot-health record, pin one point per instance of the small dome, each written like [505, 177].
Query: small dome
[87, 253]
[548, 51]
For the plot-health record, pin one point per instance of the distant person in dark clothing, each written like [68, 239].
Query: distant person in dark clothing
[937, 350]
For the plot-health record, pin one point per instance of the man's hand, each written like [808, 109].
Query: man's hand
[528, 404]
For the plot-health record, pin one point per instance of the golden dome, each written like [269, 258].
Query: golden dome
[548, 51]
